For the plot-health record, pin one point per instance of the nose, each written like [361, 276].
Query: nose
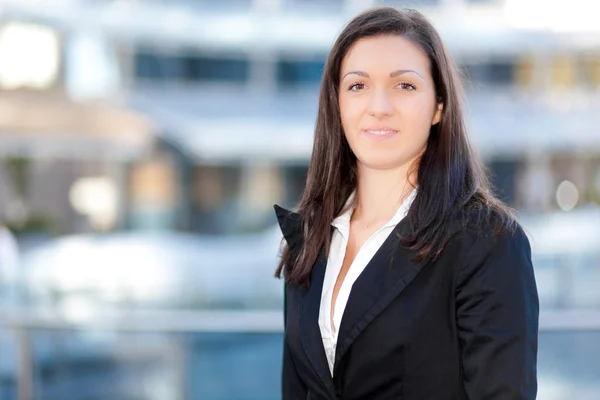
[380, 105]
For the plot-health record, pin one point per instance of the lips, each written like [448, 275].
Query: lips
[380, 132]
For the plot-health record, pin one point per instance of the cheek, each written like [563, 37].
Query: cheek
[418, 117]
[349, 113]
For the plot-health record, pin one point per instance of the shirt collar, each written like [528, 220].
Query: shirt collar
[342, 221]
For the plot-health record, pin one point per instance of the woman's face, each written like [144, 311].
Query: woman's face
[387, 101]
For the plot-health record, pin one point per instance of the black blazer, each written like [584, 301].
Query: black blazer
[463, 327]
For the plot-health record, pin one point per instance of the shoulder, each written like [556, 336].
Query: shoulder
[496, 271]
[486, 231]
[510, 242]
[492, 258]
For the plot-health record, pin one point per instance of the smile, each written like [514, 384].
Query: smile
[380, 133]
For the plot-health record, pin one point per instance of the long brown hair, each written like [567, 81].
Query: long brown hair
[450, 177]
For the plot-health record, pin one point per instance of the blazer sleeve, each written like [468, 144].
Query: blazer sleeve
[292, 386]
[497, 316]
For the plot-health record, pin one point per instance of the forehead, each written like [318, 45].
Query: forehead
[385, 54]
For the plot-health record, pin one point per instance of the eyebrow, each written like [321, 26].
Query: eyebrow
[392, 74]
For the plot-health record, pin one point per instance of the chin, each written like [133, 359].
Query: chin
[380, 162]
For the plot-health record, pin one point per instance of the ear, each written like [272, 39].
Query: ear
[437, 116]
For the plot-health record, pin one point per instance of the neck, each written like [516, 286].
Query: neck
[381, 192]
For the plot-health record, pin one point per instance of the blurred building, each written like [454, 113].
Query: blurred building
[67, 138]
[198, 116]
[231, 88]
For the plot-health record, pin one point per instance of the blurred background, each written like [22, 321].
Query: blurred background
[143, 144]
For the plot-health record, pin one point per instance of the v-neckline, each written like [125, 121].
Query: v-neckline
[332, 299]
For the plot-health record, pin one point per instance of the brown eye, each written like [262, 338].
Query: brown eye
[355, 87]
[407, 86]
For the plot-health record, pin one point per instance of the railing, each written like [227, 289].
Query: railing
[22, 322]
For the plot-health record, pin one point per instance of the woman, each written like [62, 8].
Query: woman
[405, 278]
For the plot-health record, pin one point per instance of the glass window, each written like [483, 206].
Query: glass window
[300, 72]
[155, 66]
[564, 71]
[219, 69]
[525, 72]
[492, 73]
[215, 193]
[590, 71]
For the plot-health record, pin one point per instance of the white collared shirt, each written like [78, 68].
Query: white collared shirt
[339, 242]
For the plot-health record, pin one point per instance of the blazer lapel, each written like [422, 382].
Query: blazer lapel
[384, 278]
[310, 333]
[310, 299]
